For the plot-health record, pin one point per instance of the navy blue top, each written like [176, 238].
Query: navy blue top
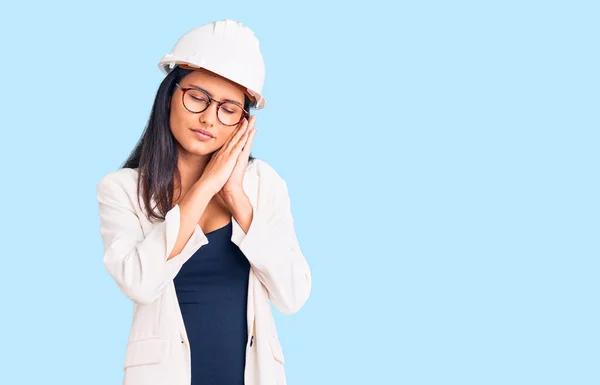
[212, 289]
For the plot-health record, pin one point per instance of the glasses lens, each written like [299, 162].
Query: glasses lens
[230, 114]
[195, 101]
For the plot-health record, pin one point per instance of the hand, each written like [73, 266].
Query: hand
[221, 165]
[234, 185]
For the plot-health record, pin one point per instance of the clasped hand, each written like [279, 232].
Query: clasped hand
[225, 171]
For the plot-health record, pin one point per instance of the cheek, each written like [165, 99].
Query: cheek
[178, 118]
[224, 136]
[181, 121]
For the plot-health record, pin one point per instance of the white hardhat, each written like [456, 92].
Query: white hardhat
[227, 48]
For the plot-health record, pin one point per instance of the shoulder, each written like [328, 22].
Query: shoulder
[272, 185]
[123, 178]
[265, 171]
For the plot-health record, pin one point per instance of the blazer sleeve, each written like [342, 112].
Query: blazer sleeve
[136, 262]
[272, 248]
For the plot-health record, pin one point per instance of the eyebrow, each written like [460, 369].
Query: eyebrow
[209, 94]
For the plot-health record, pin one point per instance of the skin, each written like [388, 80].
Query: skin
[200, 174]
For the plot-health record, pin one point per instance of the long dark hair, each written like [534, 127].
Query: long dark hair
[155, 154]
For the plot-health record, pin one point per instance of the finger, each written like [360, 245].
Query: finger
[232, 137]
[250, 127]
[251, 121]
[248, 143]
[239, 146]
[244, 139]
[250, 140]
[235, 138]
[243, 155]
[243, 135]
[228, 143]
[245, 125]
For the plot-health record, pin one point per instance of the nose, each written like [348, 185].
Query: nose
[209, 116]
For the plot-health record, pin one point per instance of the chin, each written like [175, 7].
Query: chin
[199, 148]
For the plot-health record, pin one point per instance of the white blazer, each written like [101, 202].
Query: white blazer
[135, 255]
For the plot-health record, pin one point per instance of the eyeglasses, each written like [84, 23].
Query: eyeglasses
[195, 100]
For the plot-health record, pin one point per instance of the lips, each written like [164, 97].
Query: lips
[203, 132]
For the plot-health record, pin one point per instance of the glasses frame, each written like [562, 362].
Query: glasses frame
[210, 100]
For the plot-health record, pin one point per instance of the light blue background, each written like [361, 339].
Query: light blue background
[442, 161]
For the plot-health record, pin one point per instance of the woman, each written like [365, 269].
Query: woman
[196, 232]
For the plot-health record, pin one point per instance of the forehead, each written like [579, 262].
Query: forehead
[218, 87]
